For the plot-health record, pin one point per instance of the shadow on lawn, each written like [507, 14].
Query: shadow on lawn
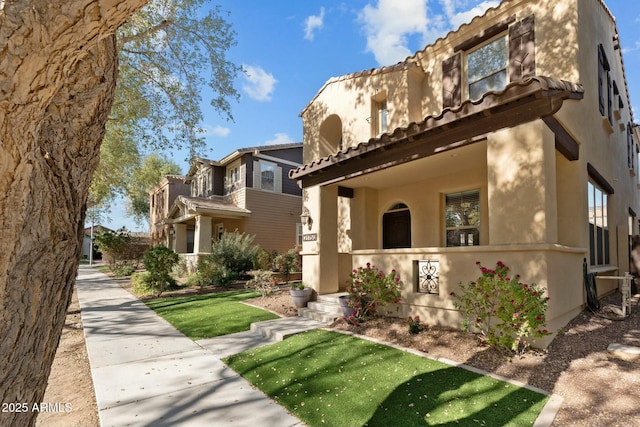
[437, 398]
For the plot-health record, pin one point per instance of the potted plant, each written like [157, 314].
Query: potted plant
[300, 294]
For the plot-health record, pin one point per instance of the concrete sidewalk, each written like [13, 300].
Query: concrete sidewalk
[146, 373]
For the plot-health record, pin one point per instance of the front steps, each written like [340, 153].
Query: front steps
[326, 309]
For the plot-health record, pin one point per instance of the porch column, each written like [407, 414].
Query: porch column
[521, 172]
[202, 237]
[320, 243]
[180, 238]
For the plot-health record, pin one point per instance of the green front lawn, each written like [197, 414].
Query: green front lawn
[330, 379]
[210, 315]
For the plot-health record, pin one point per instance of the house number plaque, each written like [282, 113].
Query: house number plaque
[310, 237]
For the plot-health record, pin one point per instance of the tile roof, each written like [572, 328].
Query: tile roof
[514, 91]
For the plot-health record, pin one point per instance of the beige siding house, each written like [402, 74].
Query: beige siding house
[511, 139]
[249, 190]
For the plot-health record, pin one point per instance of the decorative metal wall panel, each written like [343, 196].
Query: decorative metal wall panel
[429, 276]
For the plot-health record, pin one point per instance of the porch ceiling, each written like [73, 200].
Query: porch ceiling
[468, 157]
[520, 102]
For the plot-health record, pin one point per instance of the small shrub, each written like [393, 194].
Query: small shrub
[212, 273]
[140, 282]
[415, 327]
[370, 288]
[119, 249]
[264, 259]
[506, 311]
[235, 253]
[159, 261]
[262, 282]
[123, 270]
[286, 263]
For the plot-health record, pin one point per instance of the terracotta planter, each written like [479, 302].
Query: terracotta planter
[347, 310]
[301, 296]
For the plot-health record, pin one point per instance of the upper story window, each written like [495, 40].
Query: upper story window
[631, 148]
[605, 86]
[487, 68]
[233, 177]
[462, 218]
[267, 176]
[379, 114]
[499, 54]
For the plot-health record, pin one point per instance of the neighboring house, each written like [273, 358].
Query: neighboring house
[161, 199]
[249, 190]
[512, 139]
[89, 234]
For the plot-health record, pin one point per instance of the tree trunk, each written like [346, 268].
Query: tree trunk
[58, 64]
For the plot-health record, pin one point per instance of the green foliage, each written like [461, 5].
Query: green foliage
[210, 315]
[143, 178]
[415, 327]
[264, 259]
[370, 288]
[506, 311]
[159, 261]
[119, 249]
[212, 273]
[123, 270]
[168, 52]
[141, 283]
[287, 263]
[262, 282]
[235, 252]
[329, 379]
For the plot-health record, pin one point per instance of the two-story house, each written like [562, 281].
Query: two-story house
[511, 139]
[249, 191]
[161, 199]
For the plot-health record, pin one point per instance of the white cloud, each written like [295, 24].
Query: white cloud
[312, 23]
[389, 24]
[215, 130]
[458, 14]
[259, 84]
[280, 138]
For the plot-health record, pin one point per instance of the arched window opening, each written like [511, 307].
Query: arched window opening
[330, 136]
[396, 227]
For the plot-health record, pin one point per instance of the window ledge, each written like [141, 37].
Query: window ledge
[603, 269]
[617, 115]
[606, 124]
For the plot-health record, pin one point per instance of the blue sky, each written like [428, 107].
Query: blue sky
[289, 49]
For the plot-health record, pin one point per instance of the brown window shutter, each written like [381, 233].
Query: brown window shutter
[522, 50]
[451, 78]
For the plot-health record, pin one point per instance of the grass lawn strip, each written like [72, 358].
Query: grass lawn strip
[210, 315]
[331, 379]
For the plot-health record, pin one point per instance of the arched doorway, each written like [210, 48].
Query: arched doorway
[396, 227]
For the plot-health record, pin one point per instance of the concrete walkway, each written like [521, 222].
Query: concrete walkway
[146, 373]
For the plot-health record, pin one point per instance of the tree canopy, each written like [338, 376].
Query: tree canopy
[168, 53]
[143, 179]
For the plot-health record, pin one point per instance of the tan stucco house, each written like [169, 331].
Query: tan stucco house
[511, 139]
[249, 190]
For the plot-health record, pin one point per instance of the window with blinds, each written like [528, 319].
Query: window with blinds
[462, 218]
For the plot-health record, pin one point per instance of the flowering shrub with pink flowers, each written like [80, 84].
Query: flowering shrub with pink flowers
[506, 311]
[370, 288]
